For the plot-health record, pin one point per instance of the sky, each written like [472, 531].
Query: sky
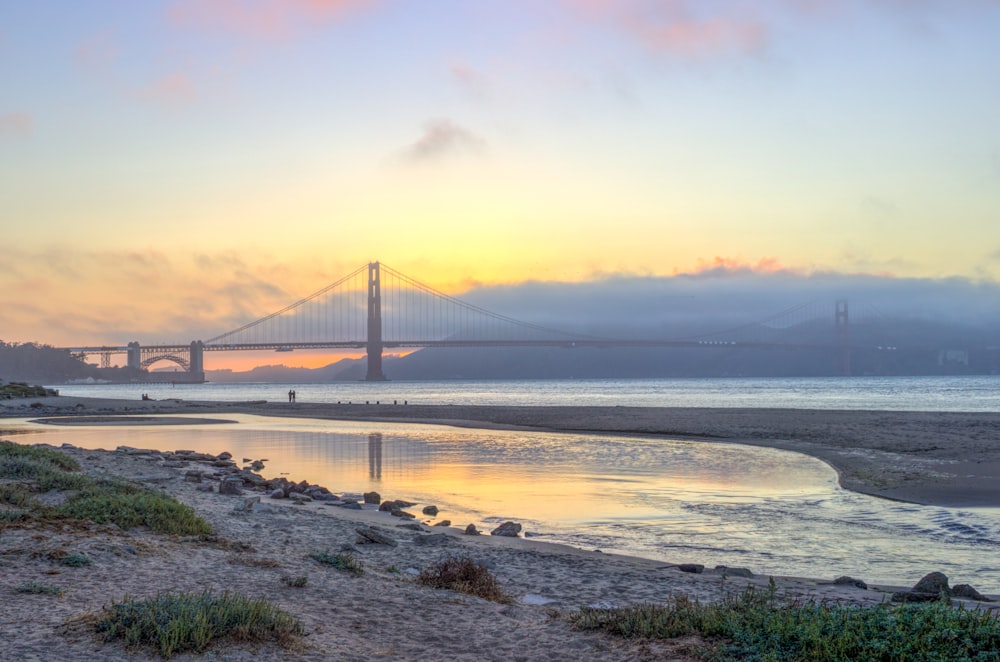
[171, 169]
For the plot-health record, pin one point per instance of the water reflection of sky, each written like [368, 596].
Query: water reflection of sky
[712, 503]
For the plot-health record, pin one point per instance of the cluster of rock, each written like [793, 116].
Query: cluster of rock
[933, 587]
[233, 480]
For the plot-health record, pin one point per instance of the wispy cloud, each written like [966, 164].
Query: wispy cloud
[441, 139]
[682, 28]
[262, 18]
[172, 89]
[16, 124]
[98, 51]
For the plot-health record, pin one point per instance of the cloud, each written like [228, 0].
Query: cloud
[16, 124]
[682, 28]
[172, 89]
[97, 51]
[262, 18]
[471, 81]
[441, 139]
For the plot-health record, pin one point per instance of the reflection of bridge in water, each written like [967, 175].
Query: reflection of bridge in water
[376, 307]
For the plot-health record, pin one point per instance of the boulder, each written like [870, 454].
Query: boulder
[695, 568]
[372, 497]
[508, 529]
[844, 580]
[444, 522]
[934, 583]
[193, 476]
[471, 530]
[430, 510]
[277, 493]
[733, 572]
[969, 593]
[231, 486]
[224, 455]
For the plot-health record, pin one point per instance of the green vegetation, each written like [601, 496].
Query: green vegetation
[39, 588]
[23, 390]
[75, 560]
[36, 470]
[757, 626]
[294, 582]
[462, 574]
[178, 622]
[341, 561]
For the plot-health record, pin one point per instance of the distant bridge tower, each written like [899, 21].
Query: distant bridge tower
[196, 363]
[134, 356]
[842, 327]
[374, 346]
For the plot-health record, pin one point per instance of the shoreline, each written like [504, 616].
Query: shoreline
[949, 459]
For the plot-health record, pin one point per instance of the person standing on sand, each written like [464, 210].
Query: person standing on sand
[291, 394]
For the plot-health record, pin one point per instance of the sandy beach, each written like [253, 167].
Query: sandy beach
[384, 614]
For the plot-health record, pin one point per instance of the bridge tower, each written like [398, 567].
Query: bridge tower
[196, 365]
[134, 356]
[374, 346]
[841, 324]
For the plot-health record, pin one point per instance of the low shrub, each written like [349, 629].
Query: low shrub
[462, 574]
[295, 582]
[757, 626]
[75, 560]
[342, 561]
[128, 509]
[178, 622]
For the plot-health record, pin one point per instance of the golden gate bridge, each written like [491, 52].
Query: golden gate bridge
[376, 308]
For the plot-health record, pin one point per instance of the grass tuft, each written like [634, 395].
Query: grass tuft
[75, 560]
[32, 470]
[177, 622]
[462, 574]
[342, 561]
[39, 588]
[756, 625]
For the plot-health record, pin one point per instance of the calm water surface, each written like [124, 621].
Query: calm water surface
[891, 393]
[772, 511]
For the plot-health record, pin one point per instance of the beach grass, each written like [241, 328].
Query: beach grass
[40, 588]
[758, 626]
[341, 561]
[31, 470]
[463, 574]
[178, 622]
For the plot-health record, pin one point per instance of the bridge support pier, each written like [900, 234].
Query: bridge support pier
[374, 346]
[134, 356]
[197, 361]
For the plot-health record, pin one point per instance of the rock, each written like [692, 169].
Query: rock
[733, 572]
[257, 465]
[387, 506]
[844, 580]
[508, 529]
[299, 499]
[193, 476]
[224, 455]
[966, 591]
[231, 486]
[349, 505]
[404, 504]
[223, 463]
[695, 568]
[444, 522]
[471, 530]
[206, 487]
[373, 535]
[247, 505]
[412, 526]
[430, 510]
[403, 513]
[934, 583]
[251, 478]
[277, 493]
[372, 497]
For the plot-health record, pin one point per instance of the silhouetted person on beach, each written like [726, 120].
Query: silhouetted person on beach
[291, 394]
